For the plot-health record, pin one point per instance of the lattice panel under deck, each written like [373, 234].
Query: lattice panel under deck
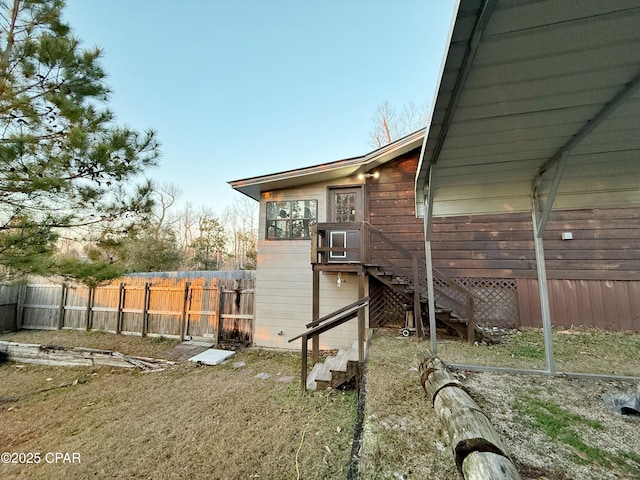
[386, 307]
[500, 306]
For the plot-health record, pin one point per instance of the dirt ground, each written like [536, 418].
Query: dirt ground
[222, 422]
[247, 418]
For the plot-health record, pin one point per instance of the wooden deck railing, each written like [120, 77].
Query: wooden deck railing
[327, 323]
[373, 242]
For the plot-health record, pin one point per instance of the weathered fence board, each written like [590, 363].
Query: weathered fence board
[9, 300]
[215, 308]
[41, 309]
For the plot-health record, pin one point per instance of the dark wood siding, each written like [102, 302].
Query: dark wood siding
[605, 245]
[392, 204]
[594, 279]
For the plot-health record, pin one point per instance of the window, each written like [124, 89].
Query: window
[291, 220]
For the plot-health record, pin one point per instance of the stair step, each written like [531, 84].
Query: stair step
[334, 369]
[342, 359]
[311, 378]
[325, 373]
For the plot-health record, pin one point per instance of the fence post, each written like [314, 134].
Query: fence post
[90, 308]
[183, 319]
[63, 303]
[145, 309]
[219, 312]
[121, 294]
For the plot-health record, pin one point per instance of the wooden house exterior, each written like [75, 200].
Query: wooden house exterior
[334, 233]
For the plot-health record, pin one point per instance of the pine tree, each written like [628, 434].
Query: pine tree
[64, 162]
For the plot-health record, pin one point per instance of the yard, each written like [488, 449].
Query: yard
[556, 428]
[228, 422]
[188, 422]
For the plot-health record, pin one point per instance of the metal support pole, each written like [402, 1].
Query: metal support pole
[553, 191]
[428, 211]
[432, 299]
[417, 314]
[543, 289]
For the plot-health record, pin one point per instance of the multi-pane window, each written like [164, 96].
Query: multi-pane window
[291, 220]
[345, 207]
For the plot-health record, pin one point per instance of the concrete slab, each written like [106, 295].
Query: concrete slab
[212, 356]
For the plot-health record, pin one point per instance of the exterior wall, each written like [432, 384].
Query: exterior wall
[605, 304]
[594, 279]
[605, 245]
[392, 206]
[603, 257]
[284, 293]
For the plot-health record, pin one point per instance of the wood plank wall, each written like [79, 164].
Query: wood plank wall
[605, 245]
[603, 256]
[391, 203]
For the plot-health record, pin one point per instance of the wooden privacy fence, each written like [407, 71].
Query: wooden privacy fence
[202, 308]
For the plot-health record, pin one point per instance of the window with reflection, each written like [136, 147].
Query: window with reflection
[291, 220]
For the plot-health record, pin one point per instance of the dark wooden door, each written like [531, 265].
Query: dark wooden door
[345, 206]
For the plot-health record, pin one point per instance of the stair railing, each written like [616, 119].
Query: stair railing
[462, 306]
[326, 323]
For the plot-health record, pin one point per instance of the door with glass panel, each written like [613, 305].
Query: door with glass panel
[345, 206]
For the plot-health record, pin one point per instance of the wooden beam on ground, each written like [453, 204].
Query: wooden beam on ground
[478, 450]
[77, 356]
[484, 465]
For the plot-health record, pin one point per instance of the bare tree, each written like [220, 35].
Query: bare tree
[241, 222]
[165, 197]
[389, 125]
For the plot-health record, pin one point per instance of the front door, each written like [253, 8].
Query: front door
[346, 206]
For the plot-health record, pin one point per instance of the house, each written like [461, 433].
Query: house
[491, 256]
[520, 207]
[301, 209]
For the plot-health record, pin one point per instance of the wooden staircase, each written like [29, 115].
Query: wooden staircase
[345, 366]
[407, 275]
[335, 371]
[403, 284]
[398, 268]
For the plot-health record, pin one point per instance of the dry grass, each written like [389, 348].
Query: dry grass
[576, 350]
[555, 428]
[402, 438]
[224, 422]
[185, 422]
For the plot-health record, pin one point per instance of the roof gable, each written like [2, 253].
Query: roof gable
[254, 186]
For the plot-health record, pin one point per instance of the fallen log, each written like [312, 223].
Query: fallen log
[434, 377]
[75, 356]
[488, 465]
[478, 450]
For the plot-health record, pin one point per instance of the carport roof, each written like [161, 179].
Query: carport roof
[525, 82]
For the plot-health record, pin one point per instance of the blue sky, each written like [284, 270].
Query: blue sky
[241, 88]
